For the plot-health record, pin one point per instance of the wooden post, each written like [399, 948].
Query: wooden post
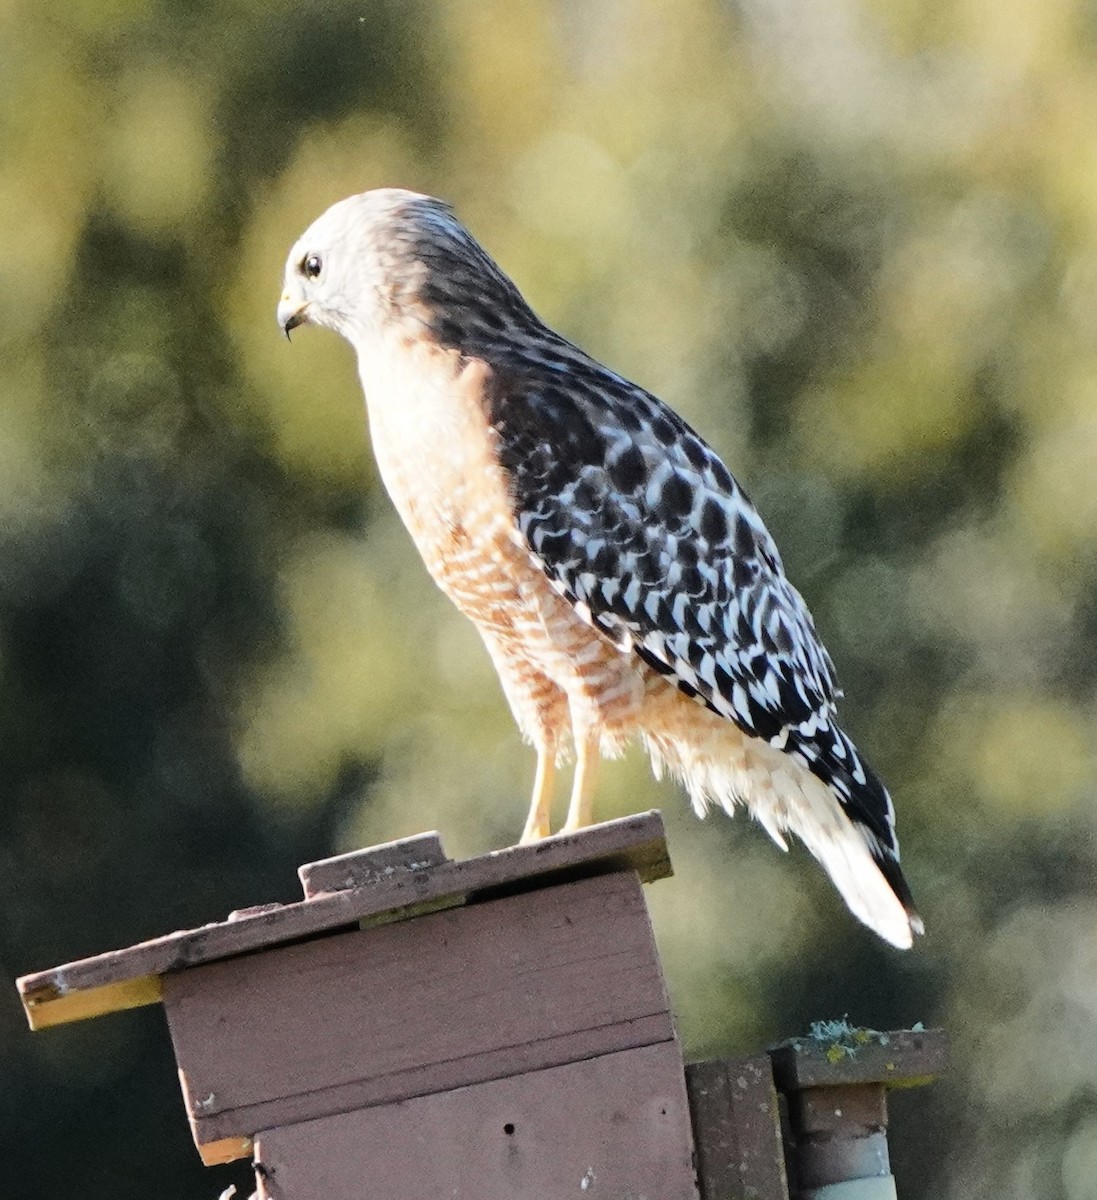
[834, 1083]
[808, 1120]
[486, 1029]
[737, 1129]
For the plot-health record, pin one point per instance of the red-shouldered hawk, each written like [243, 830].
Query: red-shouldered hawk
[621, 580]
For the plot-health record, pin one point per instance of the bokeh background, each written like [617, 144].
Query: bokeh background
[853, 241]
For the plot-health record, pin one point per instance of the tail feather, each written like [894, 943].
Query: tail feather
[722, 766]
[872, 886]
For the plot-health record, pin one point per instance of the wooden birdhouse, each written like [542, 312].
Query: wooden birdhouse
[485, 1029]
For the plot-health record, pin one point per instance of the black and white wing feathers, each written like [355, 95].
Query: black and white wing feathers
[637, 522]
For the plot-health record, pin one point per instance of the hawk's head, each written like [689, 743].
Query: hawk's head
[340, 271]
[391, 256]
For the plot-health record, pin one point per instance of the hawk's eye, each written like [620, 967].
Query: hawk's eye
[311, 265]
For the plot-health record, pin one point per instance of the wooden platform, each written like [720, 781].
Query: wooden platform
[487, 1029]
[380, 885]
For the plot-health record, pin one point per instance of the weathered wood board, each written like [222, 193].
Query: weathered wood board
[127, 978]
[907, 1058]
[376, 1016]
[615, 1126]
[737, 1129]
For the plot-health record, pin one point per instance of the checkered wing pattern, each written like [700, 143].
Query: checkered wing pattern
[637, 522]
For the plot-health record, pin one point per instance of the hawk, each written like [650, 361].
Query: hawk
[622, 582]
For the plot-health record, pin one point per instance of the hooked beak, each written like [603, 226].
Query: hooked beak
[291, 313]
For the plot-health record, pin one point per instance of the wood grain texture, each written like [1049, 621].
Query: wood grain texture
[635, 843]
[364, 867]
[382, 1014]
[737, 1129]
[612, 1127]
[215, 1146]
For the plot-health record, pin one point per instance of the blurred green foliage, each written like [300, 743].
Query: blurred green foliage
[854, 242]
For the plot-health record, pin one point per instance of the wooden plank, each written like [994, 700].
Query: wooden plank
[737, 1129]
[114, 997]
[905, 1058]
[364, 867]
[213, 1134]
[615, 1126]
[382, 1014]
[635, 843]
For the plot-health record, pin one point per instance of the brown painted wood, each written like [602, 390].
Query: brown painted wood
[378, 1015]
[612, 1127]
[635, 843]
[850, 1107]
[737, 1129]
[906, 1058]
[364, 867]
[441, 1077]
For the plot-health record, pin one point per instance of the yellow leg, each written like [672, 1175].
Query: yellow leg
[588, 754]
[537, 823]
